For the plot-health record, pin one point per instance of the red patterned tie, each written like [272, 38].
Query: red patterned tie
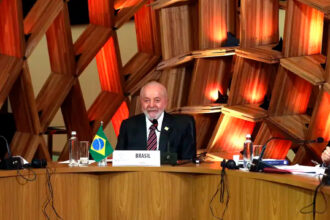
[152, 138]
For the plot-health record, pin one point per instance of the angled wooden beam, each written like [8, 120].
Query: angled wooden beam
[307, 67]
[26, 145]
[38, 20]
[156, 5]
[23, 104]
[153, 75]
[103, 108]
[198, 109]
[263, 54]
[101, 12]
[60, 45]
[147, 30]
[175, 61]
[293, 125]
[126, 13]
[88, 45]
[11, 31]
[217, 52]
[51, 97]
[138, 67]
[249, 112]
[10, 68]
[75, 117]
[321, 5]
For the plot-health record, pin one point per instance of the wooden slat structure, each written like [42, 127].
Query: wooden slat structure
[190, 47]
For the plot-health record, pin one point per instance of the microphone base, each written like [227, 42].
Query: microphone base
[169, 158]
[259, 166]
[12, 163]
[326, 177]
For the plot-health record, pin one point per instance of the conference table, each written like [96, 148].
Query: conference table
[166, 192]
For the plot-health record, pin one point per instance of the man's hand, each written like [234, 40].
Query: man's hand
[326, 156]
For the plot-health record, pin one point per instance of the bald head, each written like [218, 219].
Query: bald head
[153, 97]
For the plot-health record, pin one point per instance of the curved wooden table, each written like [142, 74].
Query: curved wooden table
[180, 192]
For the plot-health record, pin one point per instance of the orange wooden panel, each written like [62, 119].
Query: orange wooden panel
[89, 44]
[109, 66]
[38, 20]
[212, 23]
[121, 114]
[23, 104]
[51, 97]
[306, 24]
[101, 12]
[60, 45]
[290, 94]
[250, 81]
[11, 31]
[10, 68]
[177, 81]
[204, 124]
[147, 30]
[153, 75]
[263, 54]
[127, 12]
[276, 149]
[175, 61]
[259, 22]
[176, 31]
[249, 112]
[321, 5]
[229, 135]
[167, 3]
[320, 122]
[210, 76]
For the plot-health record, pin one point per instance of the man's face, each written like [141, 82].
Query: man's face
[153, 101]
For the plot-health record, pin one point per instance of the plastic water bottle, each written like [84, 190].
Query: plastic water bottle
[73, 150]
[248, 151]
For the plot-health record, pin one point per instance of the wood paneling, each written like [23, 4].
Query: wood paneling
[176, 31]
[259, 22]
[321, 5]
[167, 3]
[147, 29]
[229, 135]
[51, 97]
[307, 67]
[212, 23]
[306, 24]
[39, 19]
[292, 94]
[210, 76]
[249, 112]
[22, 100]
[153, 75]
[138, 67]
[103, 108]
[175, 61]
[263, 54]
[275, 148]
[176, 80]
[126, 13]
[11, 31]
[89, 43]
[101, 12]
[10, 68]
[250, 81]
[59, 36]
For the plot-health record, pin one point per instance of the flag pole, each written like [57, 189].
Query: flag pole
[102, 163]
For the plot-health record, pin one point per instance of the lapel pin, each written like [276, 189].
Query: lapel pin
[166, 128]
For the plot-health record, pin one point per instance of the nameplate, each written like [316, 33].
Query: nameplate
[144, 158]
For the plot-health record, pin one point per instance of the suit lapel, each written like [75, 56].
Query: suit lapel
[142, 130]
[164, 135]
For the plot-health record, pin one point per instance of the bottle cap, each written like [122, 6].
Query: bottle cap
[248, 136]
[73, 133]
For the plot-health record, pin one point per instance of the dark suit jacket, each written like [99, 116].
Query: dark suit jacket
[181, 135]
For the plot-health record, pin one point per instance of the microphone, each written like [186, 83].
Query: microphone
[12, 163]
[257, 164]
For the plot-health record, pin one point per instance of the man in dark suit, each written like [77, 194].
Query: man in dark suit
[156, 129]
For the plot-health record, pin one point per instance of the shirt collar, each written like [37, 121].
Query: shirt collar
[160, 122]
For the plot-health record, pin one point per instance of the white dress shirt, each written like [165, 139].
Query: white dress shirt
[159, 127]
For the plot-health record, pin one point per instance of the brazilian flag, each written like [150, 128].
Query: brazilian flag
[100, 147]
